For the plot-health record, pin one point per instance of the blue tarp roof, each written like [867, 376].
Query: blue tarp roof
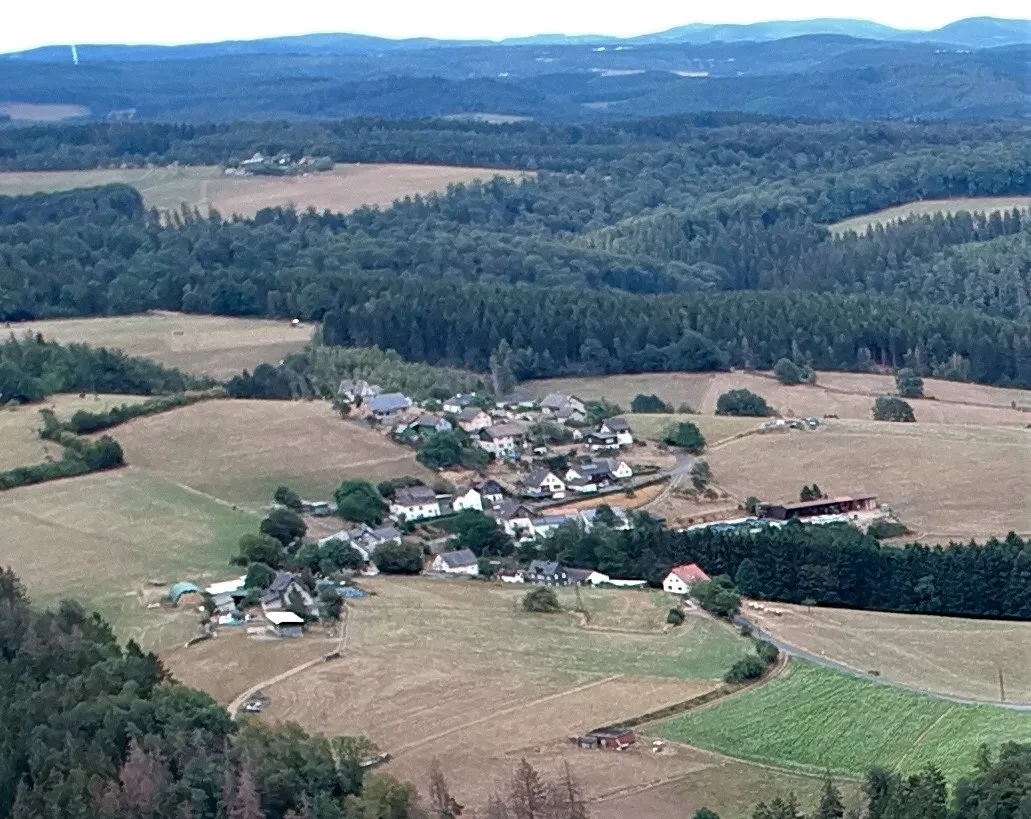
[179, 589]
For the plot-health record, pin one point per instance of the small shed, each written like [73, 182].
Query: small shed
[185, 593]
[615, 737]
[286, 623]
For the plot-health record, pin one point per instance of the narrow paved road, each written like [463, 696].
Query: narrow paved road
[802, 654]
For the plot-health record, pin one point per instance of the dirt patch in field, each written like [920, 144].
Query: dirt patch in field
[344, 189]
[945, 482]
[240, 451]
[216, 346]
[951, 655]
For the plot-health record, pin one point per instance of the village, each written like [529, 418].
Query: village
[526, 468]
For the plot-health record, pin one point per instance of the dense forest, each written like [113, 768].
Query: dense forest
[687, 243]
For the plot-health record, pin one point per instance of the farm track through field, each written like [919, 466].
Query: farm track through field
[341, 644]
[502, 712]
[923, 735]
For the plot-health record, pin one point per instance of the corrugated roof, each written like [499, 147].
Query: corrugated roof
[284, 618]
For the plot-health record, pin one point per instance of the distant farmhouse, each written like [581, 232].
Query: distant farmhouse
[412, 503]
[681, 579]
[460, 562]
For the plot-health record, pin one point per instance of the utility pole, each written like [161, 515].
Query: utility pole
[1002, 685]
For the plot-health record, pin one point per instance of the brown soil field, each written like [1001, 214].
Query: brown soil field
[951, 655]
[40, 112]
[216, 346]
[928, 208]
[20, 445]
[945, 482]
[117, 541]
[455, 670]
[846, 395]
[240, 451]
[344, 189]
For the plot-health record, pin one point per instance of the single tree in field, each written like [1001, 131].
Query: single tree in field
[285, 496]
[788, 372]
[909, 384]
[701, 474]
[892, 408]
[359, 501]
[685, 435]
[541, 601]
[743, 403]
[649, 403]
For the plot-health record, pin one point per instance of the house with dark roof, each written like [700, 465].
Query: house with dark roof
[512, 516]
[564, 407]
[546, 572]
[428, 424]
[543, 483]
[284, 588]
[517, 400]
[492, 491]
[457, 403]
[459, 562]
[415, 503]
[388, 404]
[502, 440]
[473, 419]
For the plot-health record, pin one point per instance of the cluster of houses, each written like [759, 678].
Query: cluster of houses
[500, 429]
[584, 478]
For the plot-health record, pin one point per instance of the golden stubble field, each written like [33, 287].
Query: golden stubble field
[215, 346]
[344, 189]
[455, 671]
[847, 395]
[950, 655]
[240, 450]
[930, 207]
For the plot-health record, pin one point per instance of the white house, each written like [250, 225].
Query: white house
[564, 407]
[461, 562]
[415, 503]
[457, 403]
[542, 483]
[618, 427]
[681, 578]
[513, 517]
[502, 440]
[473, 419]
[467, 498]
[492, 491]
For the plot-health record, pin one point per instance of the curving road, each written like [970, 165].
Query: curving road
[808, 656]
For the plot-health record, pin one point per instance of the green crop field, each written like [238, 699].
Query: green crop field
[822, 720]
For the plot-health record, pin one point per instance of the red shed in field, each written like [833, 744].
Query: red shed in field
[616, 737]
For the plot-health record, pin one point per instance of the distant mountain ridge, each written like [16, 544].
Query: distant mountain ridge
[973, 32]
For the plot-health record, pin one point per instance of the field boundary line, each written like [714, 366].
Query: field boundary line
[504, 712]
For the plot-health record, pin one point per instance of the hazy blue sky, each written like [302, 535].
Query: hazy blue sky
[40, 22]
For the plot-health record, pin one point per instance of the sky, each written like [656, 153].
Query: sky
[46, 22]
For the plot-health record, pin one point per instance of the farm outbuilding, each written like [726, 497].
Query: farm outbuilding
[614, 737]
[185, 594]
[820, 506]
[286, 623]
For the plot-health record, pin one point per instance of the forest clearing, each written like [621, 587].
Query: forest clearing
[930, 207]
[240, 450]
[821, 720]
[206, 187]
[949, 655]
[215, 346]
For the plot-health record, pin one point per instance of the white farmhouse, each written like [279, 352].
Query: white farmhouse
[461, 562]
[681, 578]
[467, 498]
[415, 503]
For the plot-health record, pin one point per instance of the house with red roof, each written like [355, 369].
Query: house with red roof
[681, 578]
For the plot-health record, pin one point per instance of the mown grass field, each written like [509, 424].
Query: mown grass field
[454, 664]
[241, 450]
[20, 445]
[859, 224]
[345, 188]
[821, 720]
[951, 655]
[216, 346]
[116, 541]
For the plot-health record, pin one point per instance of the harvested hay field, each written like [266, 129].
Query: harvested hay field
[117, 541]
[847, 395]
[525, 683]
[241, 450]
[821, 720]
[945, 482]
[930, 207]
[344, 189]
[950, 655]
[20, 445]
[215, 346]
